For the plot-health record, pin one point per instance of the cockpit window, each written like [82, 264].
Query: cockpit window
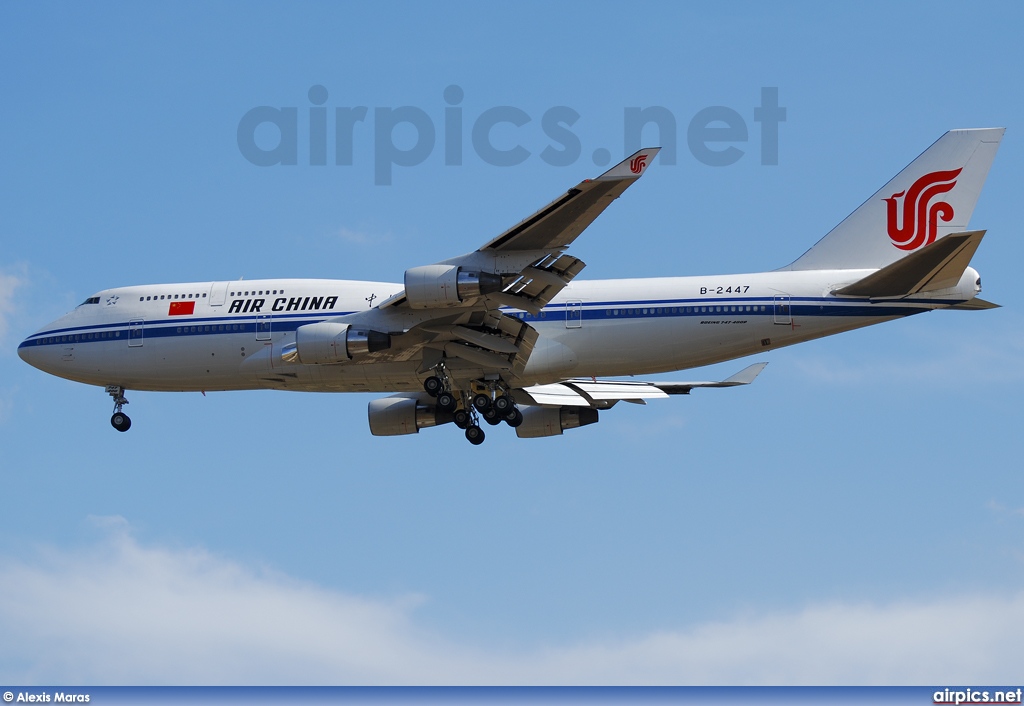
[90, 300]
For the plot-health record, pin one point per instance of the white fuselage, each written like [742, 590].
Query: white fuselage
[229, 335]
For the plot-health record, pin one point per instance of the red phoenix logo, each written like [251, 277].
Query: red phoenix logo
[637, 164]
[920, 216]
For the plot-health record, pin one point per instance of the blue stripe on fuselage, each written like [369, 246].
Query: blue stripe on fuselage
[592, 311]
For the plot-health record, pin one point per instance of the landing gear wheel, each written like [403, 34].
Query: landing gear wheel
[120, 421]
[475, 435]
[462, 419]
[482, 403]
[433, 385]
[503, 404]
[514, 418]
[492, 417]
[446, 402]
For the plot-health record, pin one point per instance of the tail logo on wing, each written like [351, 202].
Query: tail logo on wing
[637, 164]
[920, 214]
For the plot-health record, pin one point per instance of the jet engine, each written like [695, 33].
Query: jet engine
[439, 286]
[331, 342]
[549, 421]
[391, 416]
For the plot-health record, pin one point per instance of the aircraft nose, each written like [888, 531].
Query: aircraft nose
[26, 352]
[36, 355]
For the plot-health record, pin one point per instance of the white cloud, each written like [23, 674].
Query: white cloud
[122, 612]
[6, 404]
[8, 284]
[968, 639]
[1000, 509]
[356, 237]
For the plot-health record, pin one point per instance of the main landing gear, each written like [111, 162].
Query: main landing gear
[491, 401]
[119, 420]
[500, 408]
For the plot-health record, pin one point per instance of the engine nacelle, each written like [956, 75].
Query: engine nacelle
[549, 421]
[392, 416]
[438, 286]
[331, 342]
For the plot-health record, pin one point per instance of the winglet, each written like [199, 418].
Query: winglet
[743, 377]
[632, 166]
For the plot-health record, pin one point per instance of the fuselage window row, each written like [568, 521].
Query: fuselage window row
[175, 296]
[660, 311]
[78, 338]
[210, 329]
[160, 297]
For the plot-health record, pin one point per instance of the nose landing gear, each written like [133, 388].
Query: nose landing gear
[119, 420]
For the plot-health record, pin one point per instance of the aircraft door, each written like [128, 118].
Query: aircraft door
[574, 314]
[218, 293]
[782, 310]
[135, 333]
[263, 327]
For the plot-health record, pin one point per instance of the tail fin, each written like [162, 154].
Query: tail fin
[931, 198]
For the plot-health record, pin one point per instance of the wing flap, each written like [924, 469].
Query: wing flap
[604, 393]
[487, 341]
[554, 394]
[539, 283]
[607, 390]
[601, 394]
[485, 359]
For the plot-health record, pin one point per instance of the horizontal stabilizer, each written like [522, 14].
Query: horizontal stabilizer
[605, 393]
[936, 266]
[976, 304]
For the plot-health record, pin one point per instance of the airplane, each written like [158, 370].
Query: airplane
[507, 334]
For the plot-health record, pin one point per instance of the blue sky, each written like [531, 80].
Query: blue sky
[855, 516]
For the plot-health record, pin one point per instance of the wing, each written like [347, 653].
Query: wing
[555, 226]
[452, 309]
[530, 257]
[602, 394]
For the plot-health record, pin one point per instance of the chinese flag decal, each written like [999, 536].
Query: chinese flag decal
[181, 308]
